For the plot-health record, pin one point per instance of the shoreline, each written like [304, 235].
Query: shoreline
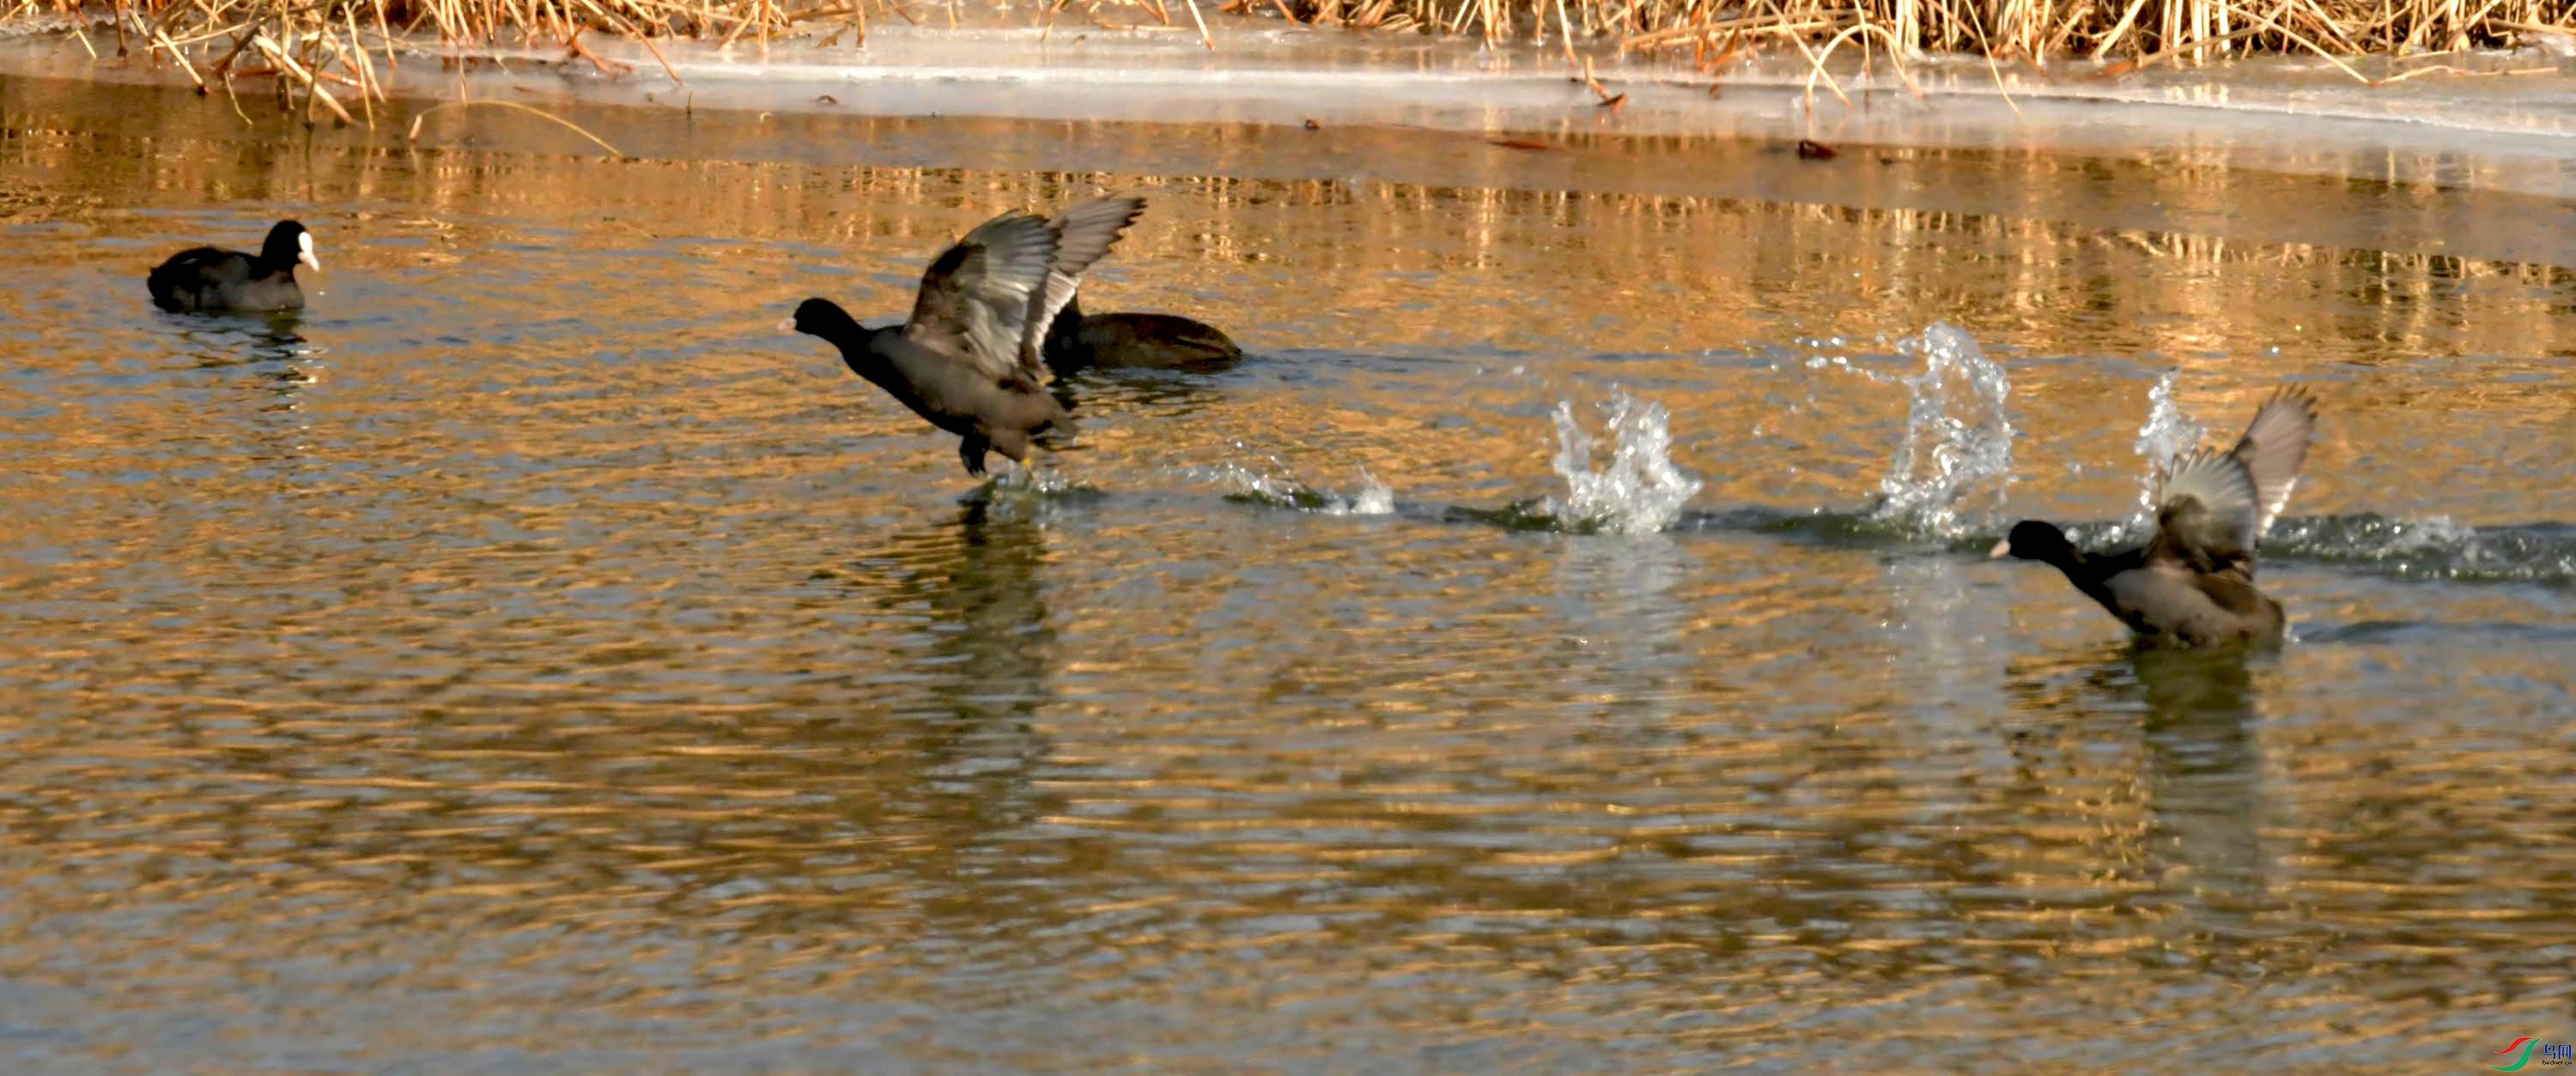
[2471, 168]
[2515, 131]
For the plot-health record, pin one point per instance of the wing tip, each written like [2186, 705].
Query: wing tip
[2281, 428]
[2292, 395]
[1134, 202]
[1119, 211]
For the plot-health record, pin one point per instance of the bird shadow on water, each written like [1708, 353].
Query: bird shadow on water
[268, 343]
[978, 669]
[2199, 769]
[2204, 785]
[1155, 393]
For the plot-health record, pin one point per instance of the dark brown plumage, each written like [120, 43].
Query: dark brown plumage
[969, 360]
[2192, 584]
[1129, 341]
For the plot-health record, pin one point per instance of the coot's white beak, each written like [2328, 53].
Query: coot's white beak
[304, 252]
[787, 325]
[2001, 549]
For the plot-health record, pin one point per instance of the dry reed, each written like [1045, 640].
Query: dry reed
[326, 50]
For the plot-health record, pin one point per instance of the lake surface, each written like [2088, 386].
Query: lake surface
[1565, 645]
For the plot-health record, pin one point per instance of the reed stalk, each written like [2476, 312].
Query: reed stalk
[311, 46]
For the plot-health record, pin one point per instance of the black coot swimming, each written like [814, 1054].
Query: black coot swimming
[206, 278]
[2192, 584]
[969, 359]
[1134, 341]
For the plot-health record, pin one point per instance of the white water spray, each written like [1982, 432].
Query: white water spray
[1951, 474]
[1016, 480]
[2168, 432]
[1374, 498]
[1640, 490]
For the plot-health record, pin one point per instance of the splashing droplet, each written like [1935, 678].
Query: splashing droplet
[1951, 474]
[1375, 498]
[1019, 480]
[2168, 432]
[1640, 490]
[1243, 483]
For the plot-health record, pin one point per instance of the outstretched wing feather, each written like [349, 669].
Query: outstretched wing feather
[2274, 446]
[2207, 509]
[1084, 233]
[976, 298]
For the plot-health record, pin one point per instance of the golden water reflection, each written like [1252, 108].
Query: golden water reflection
[524, 658]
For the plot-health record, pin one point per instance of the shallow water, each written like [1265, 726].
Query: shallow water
[528, 659]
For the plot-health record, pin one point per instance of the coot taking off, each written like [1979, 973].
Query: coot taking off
[2193, 582]
[1134, 341]
[969, 358]
[205, 278]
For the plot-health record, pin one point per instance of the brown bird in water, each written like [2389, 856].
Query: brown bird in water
[969, 359]
[2192, 584]
[1130, 341]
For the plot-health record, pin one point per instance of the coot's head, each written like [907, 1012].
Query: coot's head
[820, 317]
[2033, 540]
[288, 243]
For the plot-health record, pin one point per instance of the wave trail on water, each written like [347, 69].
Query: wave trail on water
[1372, 498]
[1946, 482]
[2432, 548]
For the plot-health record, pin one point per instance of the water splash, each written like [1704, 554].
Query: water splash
[1374, 498]
[1017, 480]
[1950, 476]
[2431, 548]
[1257, 486]
[1639, 491]
[2168, 432]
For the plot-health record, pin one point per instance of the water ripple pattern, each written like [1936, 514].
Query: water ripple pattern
[1565, 645]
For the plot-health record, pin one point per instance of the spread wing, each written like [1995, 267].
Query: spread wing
[976, 299]
[2207, 513]
[2274, 446]
[1084, 234]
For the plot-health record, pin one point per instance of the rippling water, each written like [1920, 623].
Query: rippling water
[1564, 645]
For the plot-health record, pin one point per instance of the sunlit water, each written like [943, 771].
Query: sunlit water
[1564, 645]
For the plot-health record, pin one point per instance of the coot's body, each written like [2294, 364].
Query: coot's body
[969, 359]
[212, 279]
[1134, 341]
[2163, 598]
[2192, 584]
[991, 415]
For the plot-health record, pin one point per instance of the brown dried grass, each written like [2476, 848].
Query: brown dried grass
[330, 53]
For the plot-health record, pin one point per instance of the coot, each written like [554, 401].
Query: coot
[1134, 341]
[969, 359]
[2192, 584]
[206, 278]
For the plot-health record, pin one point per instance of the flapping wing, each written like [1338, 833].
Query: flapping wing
[975, 300]
[2207, 509]
[2274, 446]
[1084, 233]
